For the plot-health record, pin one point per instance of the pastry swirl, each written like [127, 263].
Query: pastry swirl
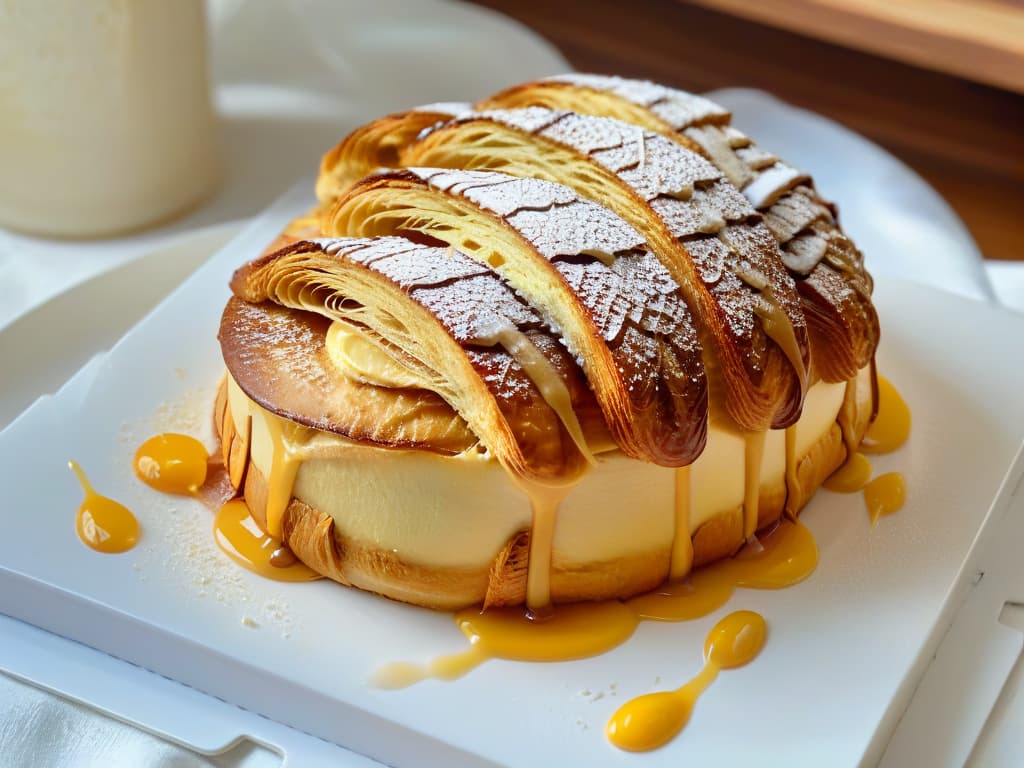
[454, 327]
[524, 355]
[583, 269]
[834, 287]
[705, 233]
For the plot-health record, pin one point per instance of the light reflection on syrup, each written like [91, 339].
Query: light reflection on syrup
[172, 463]
[891, 428]
[651, 721]
[241, 539]
[785, 556]
[852, 476]
[179, 464]
[884, 495]
[102, 523]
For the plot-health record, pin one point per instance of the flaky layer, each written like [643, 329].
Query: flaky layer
[583, 269]
[456, 329]
[704, 232]
[447, 577]
[834, 287]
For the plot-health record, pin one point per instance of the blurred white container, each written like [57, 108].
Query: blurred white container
[106, 123]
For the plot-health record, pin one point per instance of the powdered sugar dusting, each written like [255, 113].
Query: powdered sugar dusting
[693, 200]
[635, 305]
[469, 302]
[678, 109]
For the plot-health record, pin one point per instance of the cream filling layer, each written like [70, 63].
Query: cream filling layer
[459, 511]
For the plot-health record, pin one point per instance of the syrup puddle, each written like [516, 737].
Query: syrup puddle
[886, 493]
[654, 719]
[172, 463]
[782, 558]
[179, 464]
[103, 524]
[240, 538]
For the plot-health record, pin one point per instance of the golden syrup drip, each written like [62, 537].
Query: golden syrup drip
[793, 490]
[753, 454]
[783, 557]
[172, 463]
[891, 426]
[682, 543]
[545, 378]
[890, 429]
[102, 523]
[545, 503]
[651, 721]
[572, 631]
[451, 667]
[284, 468]
[240, 538]
[852, 476]
[884, 495]
[846, 415]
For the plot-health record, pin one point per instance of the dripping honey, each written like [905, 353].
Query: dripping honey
[103, 524]
[652, 720]
[886, 493]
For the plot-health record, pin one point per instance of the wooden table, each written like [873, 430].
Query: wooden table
[965, 138]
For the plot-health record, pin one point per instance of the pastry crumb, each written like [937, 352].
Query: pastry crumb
[249, 622]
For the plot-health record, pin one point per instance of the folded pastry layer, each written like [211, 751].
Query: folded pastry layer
[454, 328]
[376, 145]
[583, 269]
[455, 532]
[278, 356]
[704, 232]
[830, 274]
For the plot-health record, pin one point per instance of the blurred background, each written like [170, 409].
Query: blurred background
[272, 84]
[939, 83]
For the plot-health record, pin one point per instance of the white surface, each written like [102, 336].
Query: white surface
[848, 642]
[1007, 280]
[174, 725]
[279, 113]
[975, 659]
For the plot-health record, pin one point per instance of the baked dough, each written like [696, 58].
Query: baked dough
[536, 360]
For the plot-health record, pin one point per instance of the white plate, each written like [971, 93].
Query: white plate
[849, 644]
[43, 347]
[756, 112]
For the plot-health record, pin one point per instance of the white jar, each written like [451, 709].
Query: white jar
[105, 116]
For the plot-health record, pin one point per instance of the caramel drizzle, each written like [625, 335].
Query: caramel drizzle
[753, 456]
[544, 377]
[776, 323]
[682, 542]
[793, 490]
[667, 174]
[287, 439]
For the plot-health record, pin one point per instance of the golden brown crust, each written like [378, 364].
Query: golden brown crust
[313, 537]
[278, 357]
[585, 270]
[457, 327]
[828, 268]
[702, 229]
[375, 145]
